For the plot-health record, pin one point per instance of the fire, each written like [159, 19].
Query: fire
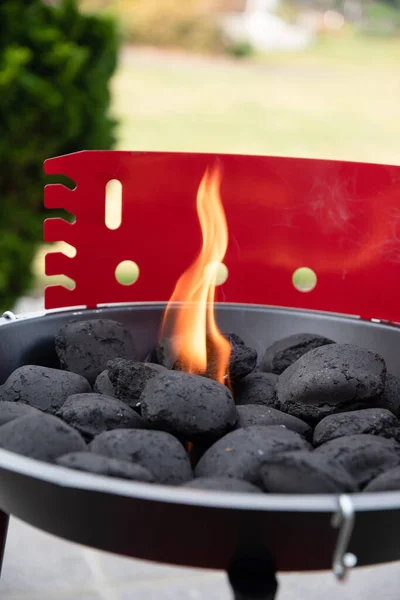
[192, 328]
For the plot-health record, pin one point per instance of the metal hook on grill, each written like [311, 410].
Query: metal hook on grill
[9, 316]
[343, 518]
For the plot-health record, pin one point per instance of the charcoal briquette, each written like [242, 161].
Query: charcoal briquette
[389, 481]
[91, 414]
[222, 484]
[390, 398]
[243, 358]
[42, 387]
[103, 385]
[151, 357]
[85, 347]
[102, 465]
[129, 378]
[376, 421]
[254, 414]
[242, 361]
[256, 388]
[41, 436]
[13, 410]
[305, 473]
[331, 379]
[167, 352]
[189, 406]
[159, 452]
[283, 353]
[364, 456]
[239, 454]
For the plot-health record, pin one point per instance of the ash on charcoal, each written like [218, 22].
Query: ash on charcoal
[256, 388]
[390, 398]
[85, 347]
[13, 410]
[91, 414]
[102, 465]
[192, 407]
[376, 421]
[159, 452]
[239, 454]
[364, 456]
[305, 473]
[42, 387]
[283, 353]
[389, 481]
[254, 414]
[129, 378]
[41, 436]
[242, 360]
[333, 378]
[222, 484]
[103, 385]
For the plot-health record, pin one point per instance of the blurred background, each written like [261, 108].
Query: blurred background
[308, 78]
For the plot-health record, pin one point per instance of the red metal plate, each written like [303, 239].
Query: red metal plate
[340, 219]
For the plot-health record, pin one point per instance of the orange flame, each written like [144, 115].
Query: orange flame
[189, 325]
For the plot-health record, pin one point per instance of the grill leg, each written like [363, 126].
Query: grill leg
[253, 578]
[4, 518]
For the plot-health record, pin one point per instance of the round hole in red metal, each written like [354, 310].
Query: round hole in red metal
[127, 272]
[222, 274]
[218, 270]
[304, 279]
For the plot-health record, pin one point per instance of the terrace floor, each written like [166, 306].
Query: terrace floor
[38, 566]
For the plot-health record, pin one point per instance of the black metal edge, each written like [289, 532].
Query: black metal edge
[69, 478]
[92, 312]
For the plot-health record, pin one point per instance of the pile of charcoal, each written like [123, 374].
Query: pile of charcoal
[309, 416]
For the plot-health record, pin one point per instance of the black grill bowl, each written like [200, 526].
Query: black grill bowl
[183, 526]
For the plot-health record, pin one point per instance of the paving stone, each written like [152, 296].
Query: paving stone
[35, 562]
[363, 584]
[206, 587]
[121, 569]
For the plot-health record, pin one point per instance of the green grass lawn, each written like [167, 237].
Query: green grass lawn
[327, 102]
[339, 99]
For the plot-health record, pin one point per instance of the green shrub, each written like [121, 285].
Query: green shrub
[55, 67]
[381, 20]
[240, 49]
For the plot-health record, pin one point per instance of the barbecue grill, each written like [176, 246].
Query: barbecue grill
[341, 221]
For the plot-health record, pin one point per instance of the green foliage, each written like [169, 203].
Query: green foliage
[55, 66]
[382, 19]
[240, 49]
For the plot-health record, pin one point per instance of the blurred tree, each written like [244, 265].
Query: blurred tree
[381, 19]
[55, 67]
[186, 24]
